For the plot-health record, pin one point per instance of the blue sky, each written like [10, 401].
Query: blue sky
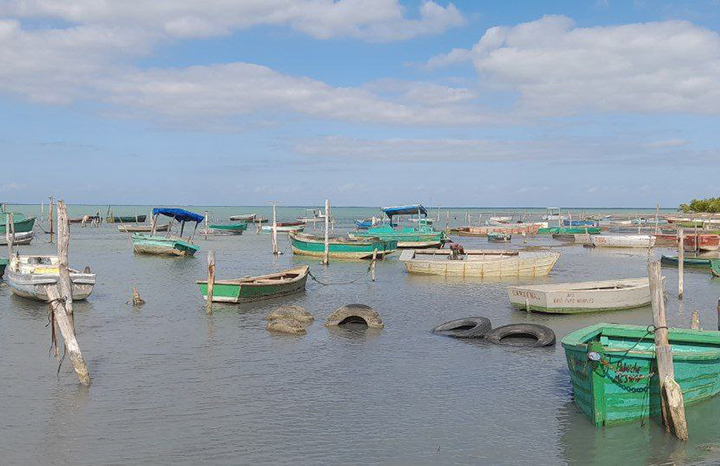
[370, 102]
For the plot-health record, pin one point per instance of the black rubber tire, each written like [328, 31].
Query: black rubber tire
[469, 327]
[544, 336]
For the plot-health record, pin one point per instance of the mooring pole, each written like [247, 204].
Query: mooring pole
[326, 255]
[210, 282]
[681, 261]
[273, 238]
[372, 265]
[50, 218]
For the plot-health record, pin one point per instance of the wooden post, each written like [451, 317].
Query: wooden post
[60, 296]
[326, 255]
[447, 220]
[372, 265]
[10, 233]
[657, 217]
[153, 225]
[50, 218]
[681, 261]
[206, 225]
[672, 398]
[273, 237]
[695, 324]
[211, 281]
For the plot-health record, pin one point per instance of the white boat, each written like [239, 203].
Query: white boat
[480, 264]
[19, 239]
[623, 241]
[244, 217]
[573, 298]
[290, 227]
[29, 276]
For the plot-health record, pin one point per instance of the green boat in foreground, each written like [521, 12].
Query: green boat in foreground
[569, 231]
[21, 223]
[3, 264]
[614, 374]
[341, 248]
[250, 289]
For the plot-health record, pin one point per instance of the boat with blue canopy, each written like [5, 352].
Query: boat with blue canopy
[168, 245]
[421, 236]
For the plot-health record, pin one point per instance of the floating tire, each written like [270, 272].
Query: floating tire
[355, 314]
[469, 327]
[530, 335]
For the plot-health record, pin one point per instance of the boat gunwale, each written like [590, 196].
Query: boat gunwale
[302, 272]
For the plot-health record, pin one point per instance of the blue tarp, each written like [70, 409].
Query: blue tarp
[405, 210]
[181, 215]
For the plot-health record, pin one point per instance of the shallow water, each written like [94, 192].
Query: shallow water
[171, 385]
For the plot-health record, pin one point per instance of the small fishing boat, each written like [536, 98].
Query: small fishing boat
[341, 248]
[484, 265]
[168, 245]
[19, 239]
[496, 237]
[86, 218]
[285, 227]
[125, 218]
[693, 262]
[232, 229]
[29, 276]
[3, 264]
[576, 298]
[564, 237]
[21, 224]
[421, 236]
[614, 376]
[623, 241]
[701, 242]
[248, 289]
[243, 217]
[579, 223]
[142, 228]
[513, 229]
[569, 230]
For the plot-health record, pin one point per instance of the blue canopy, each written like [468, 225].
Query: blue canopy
[181, 215]
[405, 210]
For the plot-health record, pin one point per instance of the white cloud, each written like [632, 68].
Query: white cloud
[558, 68]
[373, 20]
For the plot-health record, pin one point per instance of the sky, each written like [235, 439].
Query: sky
[365, 102]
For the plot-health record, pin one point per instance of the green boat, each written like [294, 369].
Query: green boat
[340, 248]
[21, 223]
[249, 289]
[232, 229]
[168, 245]
[614, 374]
[126, 219]
[697, 262]
[3, 264]
[569, 230]
[407, 237]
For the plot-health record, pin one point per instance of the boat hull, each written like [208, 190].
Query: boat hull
[339, 249]
[20, 226]
[35, 287]
[577, 298]
[162, 246]
[19, 239]
[617, 241]
[237, 292]
[622, 385]
[127, 219]
[701, 242]
[526, 265]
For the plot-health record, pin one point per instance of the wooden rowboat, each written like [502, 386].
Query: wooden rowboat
[693, 262]
[247, 289]
[142, 228]
[524, 264]
[285, 227]
[614, 375]
[569, 230]
[232, 229]
[19, 239]
[341, 248]
[21, 224]
[29, 276]
[162, 245]
[701, 242]
[499, 237]
[126, 219]
[512, 229]
[623, 241]
[575, 298]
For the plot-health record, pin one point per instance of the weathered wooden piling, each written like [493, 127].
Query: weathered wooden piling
[10, 233]
[673, 406]
[60, 296]
[136, 299]
[372, 265]
[273, 238]
[207, 225]
[326, 255]
[681, 261]
[211, 281]
[50, 218]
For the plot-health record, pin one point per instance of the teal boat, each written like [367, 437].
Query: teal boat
[697, 262]
[232, 229]
[3, 264]
[168, 245]
[21, 223]
[422, 236]
[614, 374]
[569, 230]
[340, 248]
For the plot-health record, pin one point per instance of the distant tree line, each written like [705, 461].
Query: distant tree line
[710, 205]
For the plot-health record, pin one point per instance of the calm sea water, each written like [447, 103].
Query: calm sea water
[171, 385]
